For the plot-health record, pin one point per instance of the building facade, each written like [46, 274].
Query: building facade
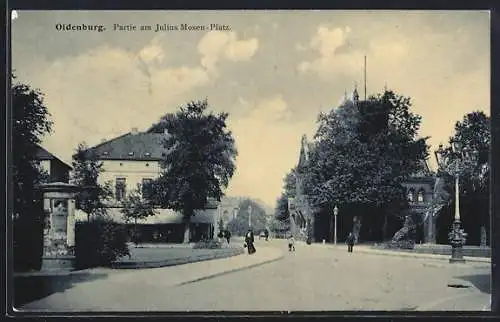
[227, 210]
[133, 161]
[301, 214]
[56, 169]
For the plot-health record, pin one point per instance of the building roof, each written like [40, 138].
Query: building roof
[423, 171]
[42, 154]
[132, 146]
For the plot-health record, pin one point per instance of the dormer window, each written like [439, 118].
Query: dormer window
[131, 154]
[410, 195]
[105, 153]
[148, 154]
[420, 196]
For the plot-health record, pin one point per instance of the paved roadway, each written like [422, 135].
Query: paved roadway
[313, 278]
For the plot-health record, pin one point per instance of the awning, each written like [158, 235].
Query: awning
[163, 216]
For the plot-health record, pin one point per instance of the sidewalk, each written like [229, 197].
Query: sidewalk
[154, 256]
[469, 301]
[370, 250]
[115, 287]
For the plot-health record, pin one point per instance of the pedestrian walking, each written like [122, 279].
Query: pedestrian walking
[291, 244]
[266, 233]
[228, 235]
[350, 242]
[249, 241]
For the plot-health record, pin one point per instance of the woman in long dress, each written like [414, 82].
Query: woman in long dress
[249, 240]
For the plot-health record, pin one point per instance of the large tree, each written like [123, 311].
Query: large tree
[30, 122]
[362, 154]
[473, 135]
[200, 159]
[92, 197]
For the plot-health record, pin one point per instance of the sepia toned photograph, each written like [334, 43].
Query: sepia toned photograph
[250, 161]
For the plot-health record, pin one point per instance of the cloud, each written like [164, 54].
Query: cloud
[106, 91]
[217, 44]
[153, 53]
[422, 64]
[271, 110]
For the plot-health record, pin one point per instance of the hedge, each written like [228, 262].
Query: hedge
[99, 242]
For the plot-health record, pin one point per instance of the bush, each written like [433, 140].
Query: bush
[99, 242]
[208, 244]
[401, 244]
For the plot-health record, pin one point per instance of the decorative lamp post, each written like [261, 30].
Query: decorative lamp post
[335, 213]
[457, 236]
[250, 216]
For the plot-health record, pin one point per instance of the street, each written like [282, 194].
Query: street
[315, 277]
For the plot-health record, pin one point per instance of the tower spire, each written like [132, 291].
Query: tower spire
[355, 95]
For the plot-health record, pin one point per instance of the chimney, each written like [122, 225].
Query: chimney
[103, 140]
[134, 130]
[165, 131]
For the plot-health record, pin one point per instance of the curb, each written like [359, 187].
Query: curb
[414, 255]
[239, 269]
[433, 306]
[425, 256]
[175, 261]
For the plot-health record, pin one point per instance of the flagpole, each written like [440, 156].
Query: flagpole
[365, 77]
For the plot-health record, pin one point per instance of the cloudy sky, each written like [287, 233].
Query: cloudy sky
[273, 72]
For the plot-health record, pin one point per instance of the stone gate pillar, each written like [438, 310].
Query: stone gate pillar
[59, 228]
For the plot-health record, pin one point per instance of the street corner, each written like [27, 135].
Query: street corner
[468, 301]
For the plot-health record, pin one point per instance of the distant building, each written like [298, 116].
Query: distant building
[57, 170]
[227, 210]
[132, 161]
[420, 188]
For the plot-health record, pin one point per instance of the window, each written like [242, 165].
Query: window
[410, 195]
[420, 196]
[120, 188]
[147, 188]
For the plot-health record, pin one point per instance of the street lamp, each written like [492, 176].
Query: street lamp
[250, 216]
[452, 164]
[335, 213]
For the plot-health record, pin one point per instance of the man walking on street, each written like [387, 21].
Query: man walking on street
[350, 242]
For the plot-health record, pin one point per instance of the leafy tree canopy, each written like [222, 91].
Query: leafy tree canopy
[363, 153]
[201, 158]
[30, 122]
[135, 207]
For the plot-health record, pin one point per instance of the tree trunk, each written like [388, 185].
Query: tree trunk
[484, 236]
[136, 235]
[187, 231]
[384, 227]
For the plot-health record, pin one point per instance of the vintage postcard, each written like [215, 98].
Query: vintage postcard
[202, 161]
